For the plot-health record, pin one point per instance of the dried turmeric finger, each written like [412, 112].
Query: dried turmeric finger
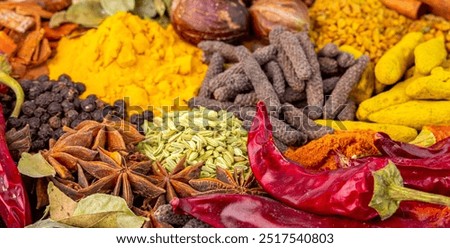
[394, 63]
[396, 132]
[415, 114]
[429, 55]
[433, 87]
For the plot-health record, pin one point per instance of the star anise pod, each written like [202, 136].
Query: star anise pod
[176, 183]
[64, 153]
[228, 183]
[111, 135]
[147, 210]
[19, 141]
[119, 175]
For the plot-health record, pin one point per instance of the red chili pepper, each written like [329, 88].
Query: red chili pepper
[391, 148]
[361, 192]
[14, 205]
[242, 211]
[3, 89]
[426, 174]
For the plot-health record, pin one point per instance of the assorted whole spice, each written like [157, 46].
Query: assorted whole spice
[132, 59]
[271, 125]
[377, 186]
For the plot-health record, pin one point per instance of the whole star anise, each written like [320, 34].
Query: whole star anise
[119, 175]
[64, 154]
[228, 183]
[111, 135]
[176, 183]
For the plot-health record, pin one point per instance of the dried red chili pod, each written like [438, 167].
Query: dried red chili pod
[241, 211]
[361, 192]
[391, 148]
[14, 206]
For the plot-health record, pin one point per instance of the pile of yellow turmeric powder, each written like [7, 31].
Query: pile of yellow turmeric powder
[322, 153]
[133, 59]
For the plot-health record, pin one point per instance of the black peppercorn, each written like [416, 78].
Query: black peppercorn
[46, 85]
[34, 123]
[57, 133]
[75, 123]
[28, 108]
[66, 121]
[80, 87]
[44, 117]
[39, 112]
[44, 99]
[54, 108]
[84, 116]
[88, 105]
[72, 114]
[56, 98]
[97, 115]
[14, 122]
[76, 103]
[137, 119]
[26, 85]
[37, 145]
[70, 94]
[64, 78]
[54, 122]
[45, 132]
[43, 78]
[67, 106]
[34, 92]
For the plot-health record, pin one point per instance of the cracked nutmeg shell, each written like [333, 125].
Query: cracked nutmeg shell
[198, 20]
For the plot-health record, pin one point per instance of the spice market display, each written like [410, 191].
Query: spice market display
[201, 114]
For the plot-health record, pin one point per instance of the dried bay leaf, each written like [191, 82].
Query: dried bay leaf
[145, 9]
[61, 206]
[88, 13]
[35, 166]
[113, 210]
[113, 6]
[57, 19]
[48, 223]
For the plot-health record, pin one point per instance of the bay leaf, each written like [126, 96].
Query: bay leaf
[35, 166]
[160, 7]
[61, 206]
[104, 203]
[113, 6]
[116, 219]
[48, 223]
[88, 14]
[145, 9]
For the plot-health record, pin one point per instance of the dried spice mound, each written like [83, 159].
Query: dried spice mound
[128, 57]
[200, 135]
[322, 153]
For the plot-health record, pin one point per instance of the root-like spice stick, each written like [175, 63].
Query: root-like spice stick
[275, 75]
[314, 85]
[246, 99]
[215, 67]
[348, 112]
[263, 88]
[343, 87]
[293, 49]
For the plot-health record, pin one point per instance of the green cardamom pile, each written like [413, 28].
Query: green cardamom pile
[200, 135]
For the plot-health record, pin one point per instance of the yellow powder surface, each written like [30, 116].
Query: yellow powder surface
[129, 58]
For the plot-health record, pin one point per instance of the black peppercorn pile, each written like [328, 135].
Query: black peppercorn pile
[51, 104]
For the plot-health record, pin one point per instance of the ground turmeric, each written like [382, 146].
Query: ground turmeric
[131, 58]
[323, 152]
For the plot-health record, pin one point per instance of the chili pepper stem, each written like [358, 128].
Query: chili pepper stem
[17, 88]
[389, 192]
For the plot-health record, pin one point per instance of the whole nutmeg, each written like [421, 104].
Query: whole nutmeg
[290, 14]
[198, 20]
